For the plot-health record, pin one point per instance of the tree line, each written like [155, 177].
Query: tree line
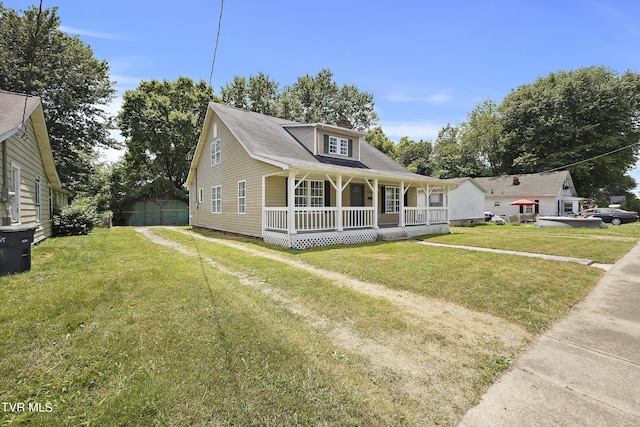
[585, 120]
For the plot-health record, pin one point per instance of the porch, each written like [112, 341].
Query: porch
[324, 210]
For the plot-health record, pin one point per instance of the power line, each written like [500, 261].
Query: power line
[215, 51]
[32, 59]
[592, 158]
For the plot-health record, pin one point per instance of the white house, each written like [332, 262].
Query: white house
[553, 192]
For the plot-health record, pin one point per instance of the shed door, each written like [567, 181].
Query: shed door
[356, 193]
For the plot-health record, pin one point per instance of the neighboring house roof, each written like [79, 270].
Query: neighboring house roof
[459, 181]
[266, 138]
[528, 185]
[15, 110]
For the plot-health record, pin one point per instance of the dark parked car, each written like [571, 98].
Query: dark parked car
[614, 216]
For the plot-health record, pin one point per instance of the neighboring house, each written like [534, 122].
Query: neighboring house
[303, 185]
[553, 192]
[30, 186]
[466, 201]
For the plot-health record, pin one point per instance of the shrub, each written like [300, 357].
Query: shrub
[79, 218]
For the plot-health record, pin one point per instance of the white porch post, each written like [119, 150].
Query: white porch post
[339, 203]
[401, 204]
[375, 203]
[428, 193]
[446, 201]
[264, 204]
[291, 201]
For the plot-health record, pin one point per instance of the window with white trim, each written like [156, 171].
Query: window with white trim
[391, 199]
[216, 199]
[215, 152]
[38, 201]
[200, 195]
[242, 197]
[338, 146]
[436, 200]
[309, 193]
[496, 203]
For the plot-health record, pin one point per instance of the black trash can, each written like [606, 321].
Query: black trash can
[15, 249]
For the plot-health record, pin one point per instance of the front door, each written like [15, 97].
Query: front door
[356, 194]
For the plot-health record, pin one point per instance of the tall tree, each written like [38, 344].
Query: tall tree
[482, 133]
[37, 58]
[452, 158]
[311, 99]
[161, 122]
[319, 99]
[415, 156]
[569, 117]
[377, 138]
[258, 93]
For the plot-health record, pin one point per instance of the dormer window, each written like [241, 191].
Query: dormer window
[338, 146]
[335, 145]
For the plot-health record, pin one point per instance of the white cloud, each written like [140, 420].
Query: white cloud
[424, 130]
[90, 33]
[439, 97]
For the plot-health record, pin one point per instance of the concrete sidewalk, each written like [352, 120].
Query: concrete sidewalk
[585, 371]
[525, 254]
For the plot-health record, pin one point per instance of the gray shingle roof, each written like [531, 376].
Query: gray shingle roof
[12, 111]
[536, 184]
[266, 137]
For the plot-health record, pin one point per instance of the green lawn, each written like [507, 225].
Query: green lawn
[112, 329]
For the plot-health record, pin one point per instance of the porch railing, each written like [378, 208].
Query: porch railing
[358, 217]
[415, 216]
[316, 219]
[276, 218]
[313, 219]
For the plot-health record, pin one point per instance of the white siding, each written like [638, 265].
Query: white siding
[466, 202]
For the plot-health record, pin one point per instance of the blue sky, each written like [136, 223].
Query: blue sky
[427, 62]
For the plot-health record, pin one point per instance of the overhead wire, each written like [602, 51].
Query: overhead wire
[215, 50]
[31, 63]
[592, 158]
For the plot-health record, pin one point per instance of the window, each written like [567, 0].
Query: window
[391, 199]
[309, 193]
[242, 197]
[200, 195]
[496, 203]
[568, 207]
[338, 146]
[215, 152]
[38, 199]
[216, 199]
[436, 200]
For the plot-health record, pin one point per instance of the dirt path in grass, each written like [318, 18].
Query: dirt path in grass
[423, 307]
[434, 359]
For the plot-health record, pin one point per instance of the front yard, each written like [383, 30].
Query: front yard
[118, 329]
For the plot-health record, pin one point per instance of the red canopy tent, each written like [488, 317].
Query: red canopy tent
[523, 202]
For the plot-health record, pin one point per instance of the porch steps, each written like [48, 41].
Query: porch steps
[392, 236]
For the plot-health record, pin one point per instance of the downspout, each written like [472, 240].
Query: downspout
[4, 191]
